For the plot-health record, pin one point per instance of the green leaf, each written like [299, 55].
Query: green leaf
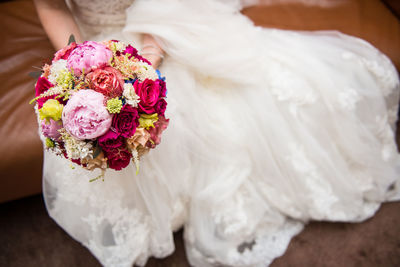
[101, 176]
[71, 39]
[35, 74]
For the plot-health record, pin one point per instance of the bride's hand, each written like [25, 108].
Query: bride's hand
[152, 51]
[155, 60]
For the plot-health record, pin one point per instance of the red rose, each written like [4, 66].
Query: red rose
[118, 158]
[64, 52]
[110, 140]
[125, 122]
[42, 85]
[106, 80]
[163, 90]
[155, 133]
[149, 93]
[160, 107]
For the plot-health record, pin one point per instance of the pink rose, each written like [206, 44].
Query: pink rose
[126, 121]
[106, 80]
[85, 116]
[88, 56]
[118, 158]
[50, 129]
[155, 133]
[149, 93]
[110, 140]
[64, 52]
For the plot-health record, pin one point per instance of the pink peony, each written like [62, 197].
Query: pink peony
[126, 121]
[118, 158]
[149, 92]
[110, 140]
[155, 133]
[85, 116]
[50, 129]
[88, 56]
[64, 52]
[106, 80]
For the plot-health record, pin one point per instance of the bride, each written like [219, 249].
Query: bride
[269, 129]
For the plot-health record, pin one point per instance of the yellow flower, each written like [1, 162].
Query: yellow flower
[49, 143]
[65, 79]
[51, 109]
[114, 105]
[147, 120]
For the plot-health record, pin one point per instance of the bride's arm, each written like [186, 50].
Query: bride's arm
[152, 50]
[59, 24]
[57, 21]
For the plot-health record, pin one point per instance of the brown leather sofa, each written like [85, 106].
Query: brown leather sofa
[24, 45]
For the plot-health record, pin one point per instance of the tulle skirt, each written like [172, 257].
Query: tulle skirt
[268, 129]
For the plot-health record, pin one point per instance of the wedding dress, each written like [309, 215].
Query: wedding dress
[268, 129]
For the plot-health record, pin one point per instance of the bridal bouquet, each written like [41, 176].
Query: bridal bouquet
[100, 104]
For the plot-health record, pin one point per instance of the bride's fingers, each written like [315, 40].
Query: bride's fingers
[154, 60]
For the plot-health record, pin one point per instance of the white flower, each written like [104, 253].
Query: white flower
[56, 68]
[135, 157]
[120, 46]
[56, 149]
[145, 71]
[56, 90]
[76, 149]
[131, 97]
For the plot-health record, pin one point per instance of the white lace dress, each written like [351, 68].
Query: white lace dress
[269, 129]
